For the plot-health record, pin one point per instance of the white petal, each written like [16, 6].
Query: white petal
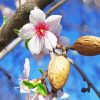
[34, 97]
[47, 44]
[56, 30]
[28, 96]
[41, 97]
[35, 45]
[62, 95]
[34, 89]
[58, 51]
[54, 23]
[24, 89]
[36, 16]
[62, 40]
[44, 51]
[48, 97]
[27, 31]
[26, 68]
[50, 41]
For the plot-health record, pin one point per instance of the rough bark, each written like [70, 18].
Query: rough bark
[20, 18]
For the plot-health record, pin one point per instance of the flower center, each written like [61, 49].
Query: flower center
[41, 28]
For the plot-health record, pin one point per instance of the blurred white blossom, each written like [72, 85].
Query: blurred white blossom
[6, 11]
[95, 3]
[26, 71]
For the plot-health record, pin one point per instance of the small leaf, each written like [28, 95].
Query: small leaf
[41, 71]
[26, 43]
[42, 89]
[35, 84]
[16, 31]
[29, 84]
[4, 20]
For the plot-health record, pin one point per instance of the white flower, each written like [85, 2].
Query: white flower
[23, 88]
[40, 31]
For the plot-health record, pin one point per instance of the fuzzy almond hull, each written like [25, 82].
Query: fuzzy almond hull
[58, 72]
[87, 45]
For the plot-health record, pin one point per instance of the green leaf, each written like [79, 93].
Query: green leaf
[41, 71]
[16, 31]
[42, 89]
[30, 85]
[26, 43]
[4, 20]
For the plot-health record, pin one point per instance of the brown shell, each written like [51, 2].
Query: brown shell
[87, 45]
[58, 72]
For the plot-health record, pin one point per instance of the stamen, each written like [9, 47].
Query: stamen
[41, 28]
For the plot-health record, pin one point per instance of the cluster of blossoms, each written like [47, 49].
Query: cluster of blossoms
[41, 34]
[25, 89]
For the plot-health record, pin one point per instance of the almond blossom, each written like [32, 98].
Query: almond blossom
[31, 96]
[42, 32]
[26, 71]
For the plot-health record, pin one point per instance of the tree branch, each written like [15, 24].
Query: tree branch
[19, 3]
[55, 7]
[9, 47]
[90, 85]
[5, 73]
[20, 18]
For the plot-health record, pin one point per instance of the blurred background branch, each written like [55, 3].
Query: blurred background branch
[5, 73]
[7, 49]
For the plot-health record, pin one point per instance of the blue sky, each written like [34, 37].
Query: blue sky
[75, 18]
